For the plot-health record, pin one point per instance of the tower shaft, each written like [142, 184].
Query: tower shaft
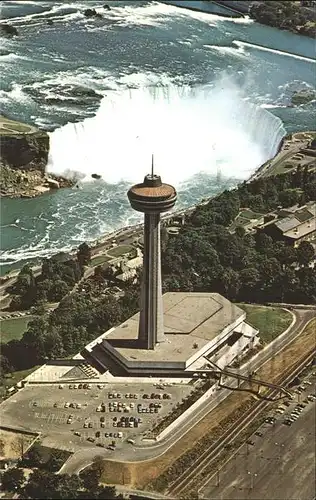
[151, 328]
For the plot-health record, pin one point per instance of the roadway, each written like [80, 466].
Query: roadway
[149, 450]
[279, 465]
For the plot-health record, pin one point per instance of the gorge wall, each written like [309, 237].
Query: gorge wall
[23, 158]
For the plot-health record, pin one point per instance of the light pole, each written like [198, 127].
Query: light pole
[252, 476]
[217, 478]
[280, 445]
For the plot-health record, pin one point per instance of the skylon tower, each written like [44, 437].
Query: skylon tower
[151, 197]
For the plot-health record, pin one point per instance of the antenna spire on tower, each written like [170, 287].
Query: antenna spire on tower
[152, 165]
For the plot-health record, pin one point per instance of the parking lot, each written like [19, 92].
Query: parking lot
[277, 461]
[70, 416]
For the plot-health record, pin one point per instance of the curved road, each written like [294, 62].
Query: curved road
[82, 458]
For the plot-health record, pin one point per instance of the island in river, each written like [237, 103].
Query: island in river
[23, 158]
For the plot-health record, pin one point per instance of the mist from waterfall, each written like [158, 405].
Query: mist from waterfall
[190, 130]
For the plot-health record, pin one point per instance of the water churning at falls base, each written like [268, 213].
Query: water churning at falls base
[206, 129]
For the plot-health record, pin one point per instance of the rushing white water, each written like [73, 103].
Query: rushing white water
[190, 130]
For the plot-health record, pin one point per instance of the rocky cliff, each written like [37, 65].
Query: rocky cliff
[23, 158]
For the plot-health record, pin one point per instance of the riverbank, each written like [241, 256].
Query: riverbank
[297, 151]
[214, 8]
[289, 15]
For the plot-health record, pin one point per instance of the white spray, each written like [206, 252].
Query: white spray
[190, 130]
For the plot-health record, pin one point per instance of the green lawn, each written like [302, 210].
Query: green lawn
[14, 378]
[13, 328]
[249, 214]
[100, 259]
[120, 250]
[270, 321]
[12, 125]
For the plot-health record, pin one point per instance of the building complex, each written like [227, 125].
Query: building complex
[173, 333]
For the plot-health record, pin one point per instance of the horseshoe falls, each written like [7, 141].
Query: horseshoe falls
[190, 131]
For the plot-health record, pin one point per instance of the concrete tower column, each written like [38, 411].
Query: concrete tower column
[151, 328]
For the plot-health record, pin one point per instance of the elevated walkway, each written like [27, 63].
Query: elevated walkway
[215, 372]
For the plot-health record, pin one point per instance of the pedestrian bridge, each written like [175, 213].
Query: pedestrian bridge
[219, 373]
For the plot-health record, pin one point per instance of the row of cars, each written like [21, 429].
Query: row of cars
[301, 388]
[154, 395]
[127, 422]
[294, 415]
[119, 395]
[120, 407]
[76, 386]
[152, 408]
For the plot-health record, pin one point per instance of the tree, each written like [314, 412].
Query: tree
[108, 493]
[305, 253]
[12, 480]
[90, 478]
[230, 283]
[34, 456]
[58, 290]
[5, 366]
[84, 254]
[47, 485]
[240, 231]
[249, 277]
[53, 345]
[35, 336]
[39, 309]
[264, 243]
[289, 197]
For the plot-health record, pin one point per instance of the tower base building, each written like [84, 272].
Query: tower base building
[173, 333]
[199, 328]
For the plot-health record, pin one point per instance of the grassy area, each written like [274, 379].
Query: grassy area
[14, 328]
[120, 250]
[12, 126]
[14, 378]
[249, 214]
[270, 321]
[100, 259]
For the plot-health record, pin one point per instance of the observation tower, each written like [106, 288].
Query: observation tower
[152, 197]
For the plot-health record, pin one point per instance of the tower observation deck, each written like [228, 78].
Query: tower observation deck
[152, 197]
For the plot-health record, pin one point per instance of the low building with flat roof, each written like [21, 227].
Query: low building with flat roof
[293, 225]
[195, 326]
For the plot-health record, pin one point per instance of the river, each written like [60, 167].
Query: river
[206, 94]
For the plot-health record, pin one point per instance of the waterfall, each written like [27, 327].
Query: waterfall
[190, 130]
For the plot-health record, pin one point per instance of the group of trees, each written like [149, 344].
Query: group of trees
[78, 319]
[286, 15]
[58, 276]
[205, 256]
[42, 484]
